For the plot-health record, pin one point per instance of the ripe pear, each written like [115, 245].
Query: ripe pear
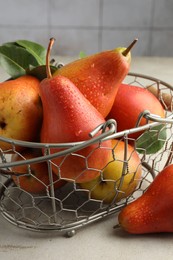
[129, 103]
[153, 211]
[33, 178]
[69, 117]
[20, 110]
[98, 76]
[114, 184]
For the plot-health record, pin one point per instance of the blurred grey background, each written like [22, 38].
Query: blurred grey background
[90, 25]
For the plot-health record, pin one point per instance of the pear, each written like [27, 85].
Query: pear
[119, 178]
[20, 110]
[69, 117]
[130, 102]
[33, 178]
[153, 211]
[98, 76]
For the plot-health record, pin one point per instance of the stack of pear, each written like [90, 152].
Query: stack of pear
[99, 76]
[69, 117]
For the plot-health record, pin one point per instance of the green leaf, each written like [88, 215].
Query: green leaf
[9, 44]
[82, 54]
[152, 140]
[38, 51]
[40, 71]
[15, 60]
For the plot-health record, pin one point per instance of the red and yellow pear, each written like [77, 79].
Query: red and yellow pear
[153, 211]
[129, 103]
[20, 110]
[69, 117]
[33, 178]
[99, 76]
[119, 178]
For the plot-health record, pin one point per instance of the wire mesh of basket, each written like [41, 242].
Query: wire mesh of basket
[64, 205]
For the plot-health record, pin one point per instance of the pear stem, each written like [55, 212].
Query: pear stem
[117, 226]
[48, 70]
[128, 49]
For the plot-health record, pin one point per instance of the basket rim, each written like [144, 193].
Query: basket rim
[111, 133]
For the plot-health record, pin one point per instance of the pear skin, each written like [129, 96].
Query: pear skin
[107, 187]
[98, 76]
[129, 103]
[153, 211]
[69, 117]
[36, 180]
[20, 110]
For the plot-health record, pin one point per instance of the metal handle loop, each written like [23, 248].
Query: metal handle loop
[156, 118]
[153, 117]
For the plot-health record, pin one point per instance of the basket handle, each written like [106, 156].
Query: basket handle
[155, 118]
[108, 128]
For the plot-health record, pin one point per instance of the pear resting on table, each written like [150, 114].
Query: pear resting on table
[153, 211]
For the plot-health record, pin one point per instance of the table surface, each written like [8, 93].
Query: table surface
[98, 240]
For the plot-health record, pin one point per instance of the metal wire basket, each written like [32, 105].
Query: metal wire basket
[69, 207]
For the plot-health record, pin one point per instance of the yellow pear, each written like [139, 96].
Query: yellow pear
[119, 178]
[20, 110]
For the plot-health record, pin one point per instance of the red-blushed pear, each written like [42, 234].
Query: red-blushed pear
[69, 117]
[33, 178]
[20, 110]
[153, 211]
[98, 76]
[129, 103]
[114, 184]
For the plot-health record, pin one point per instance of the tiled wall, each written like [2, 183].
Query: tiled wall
[90, 25]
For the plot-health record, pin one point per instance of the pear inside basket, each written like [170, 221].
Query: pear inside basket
[39, 193]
